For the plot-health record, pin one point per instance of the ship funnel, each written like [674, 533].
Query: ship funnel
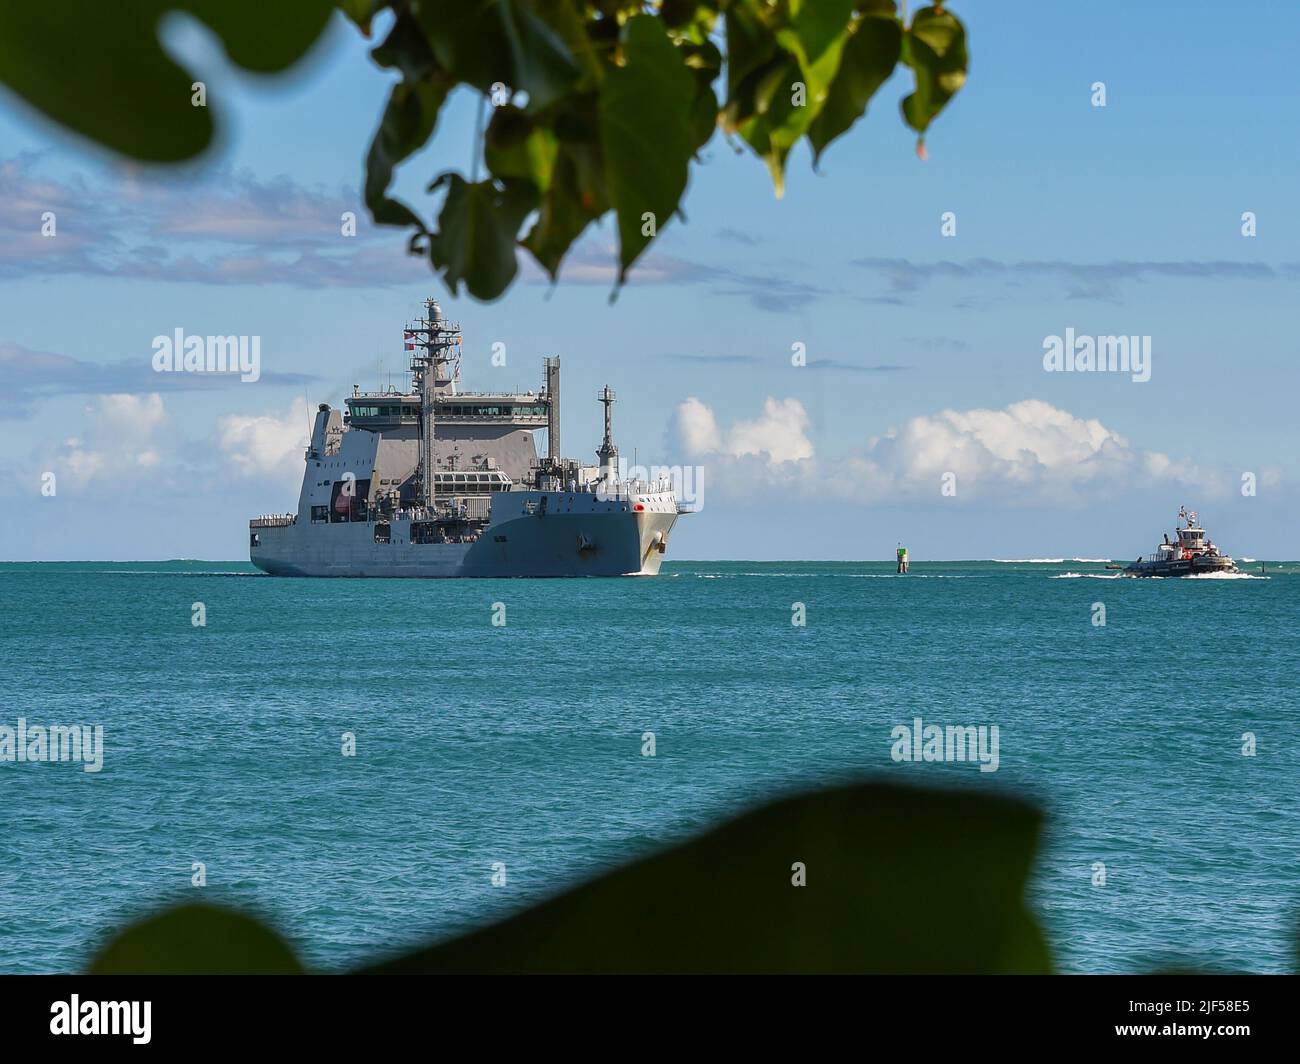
[553, 410]
[608, 453]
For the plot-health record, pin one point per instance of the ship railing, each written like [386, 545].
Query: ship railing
[624, 489]
[273, 521]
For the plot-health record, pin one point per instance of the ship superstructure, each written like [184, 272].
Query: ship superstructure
[433, 481]
[1190, 553]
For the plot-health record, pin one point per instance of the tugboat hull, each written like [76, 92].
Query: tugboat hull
[1181, 567]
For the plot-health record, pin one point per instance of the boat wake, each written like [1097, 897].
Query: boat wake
[1193, 576]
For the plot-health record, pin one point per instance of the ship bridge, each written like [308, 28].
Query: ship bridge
[1192, 537]
[389, 412]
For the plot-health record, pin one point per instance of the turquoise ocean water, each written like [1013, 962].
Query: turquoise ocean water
[521, 744]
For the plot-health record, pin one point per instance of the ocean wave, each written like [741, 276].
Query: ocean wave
[1085, 576]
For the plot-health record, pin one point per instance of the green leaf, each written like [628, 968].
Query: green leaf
[779, 112]
[99, 70]
[485, 42]
[577, 195]
[409, 119]
[777, 122]
[477, 230]
[517, 147]
[646, 127]
[562, 16]
[406, 50]
[196, 940]
[407, 125]
[361, 11]
[934, 46]
[751, 47]
[704, 61]
[899, 880]
[870, 55]
[816, 38]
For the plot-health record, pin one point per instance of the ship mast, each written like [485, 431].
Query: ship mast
[434, 344]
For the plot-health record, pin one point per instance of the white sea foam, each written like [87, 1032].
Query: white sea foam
[1050, 561]
[1193, 576]
[912, 576]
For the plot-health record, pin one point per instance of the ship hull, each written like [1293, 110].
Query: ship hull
[556, 544]
[1181, 567]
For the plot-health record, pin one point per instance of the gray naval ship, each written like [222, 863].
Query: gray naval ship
[436, 482]
[1192, 555]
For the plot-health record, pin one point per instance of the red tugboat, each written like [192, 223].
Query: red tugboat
[1191, 555]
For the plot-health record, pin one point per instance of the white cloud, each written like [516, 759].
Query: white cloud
[118, 439]
[268, 445]
[779, 434]
[1027, 452]
[1023, 444]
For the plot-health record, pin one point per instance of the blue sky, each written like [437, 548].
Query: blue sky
[925, 352]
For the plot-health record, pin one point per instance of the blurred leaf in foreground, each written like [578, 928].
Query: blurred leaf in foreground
[196, 940]
[100, 70]
[899, 879]
[896, 880]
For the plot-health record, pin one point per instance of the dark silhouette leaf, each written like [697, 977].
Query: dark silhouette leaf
[407, 125]
[489, 42]
[196, 939]
[898, 880]
[645, 123]
[360, 11]
[517, 147]
[577, 195]
[475, 242]
[99, 70]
